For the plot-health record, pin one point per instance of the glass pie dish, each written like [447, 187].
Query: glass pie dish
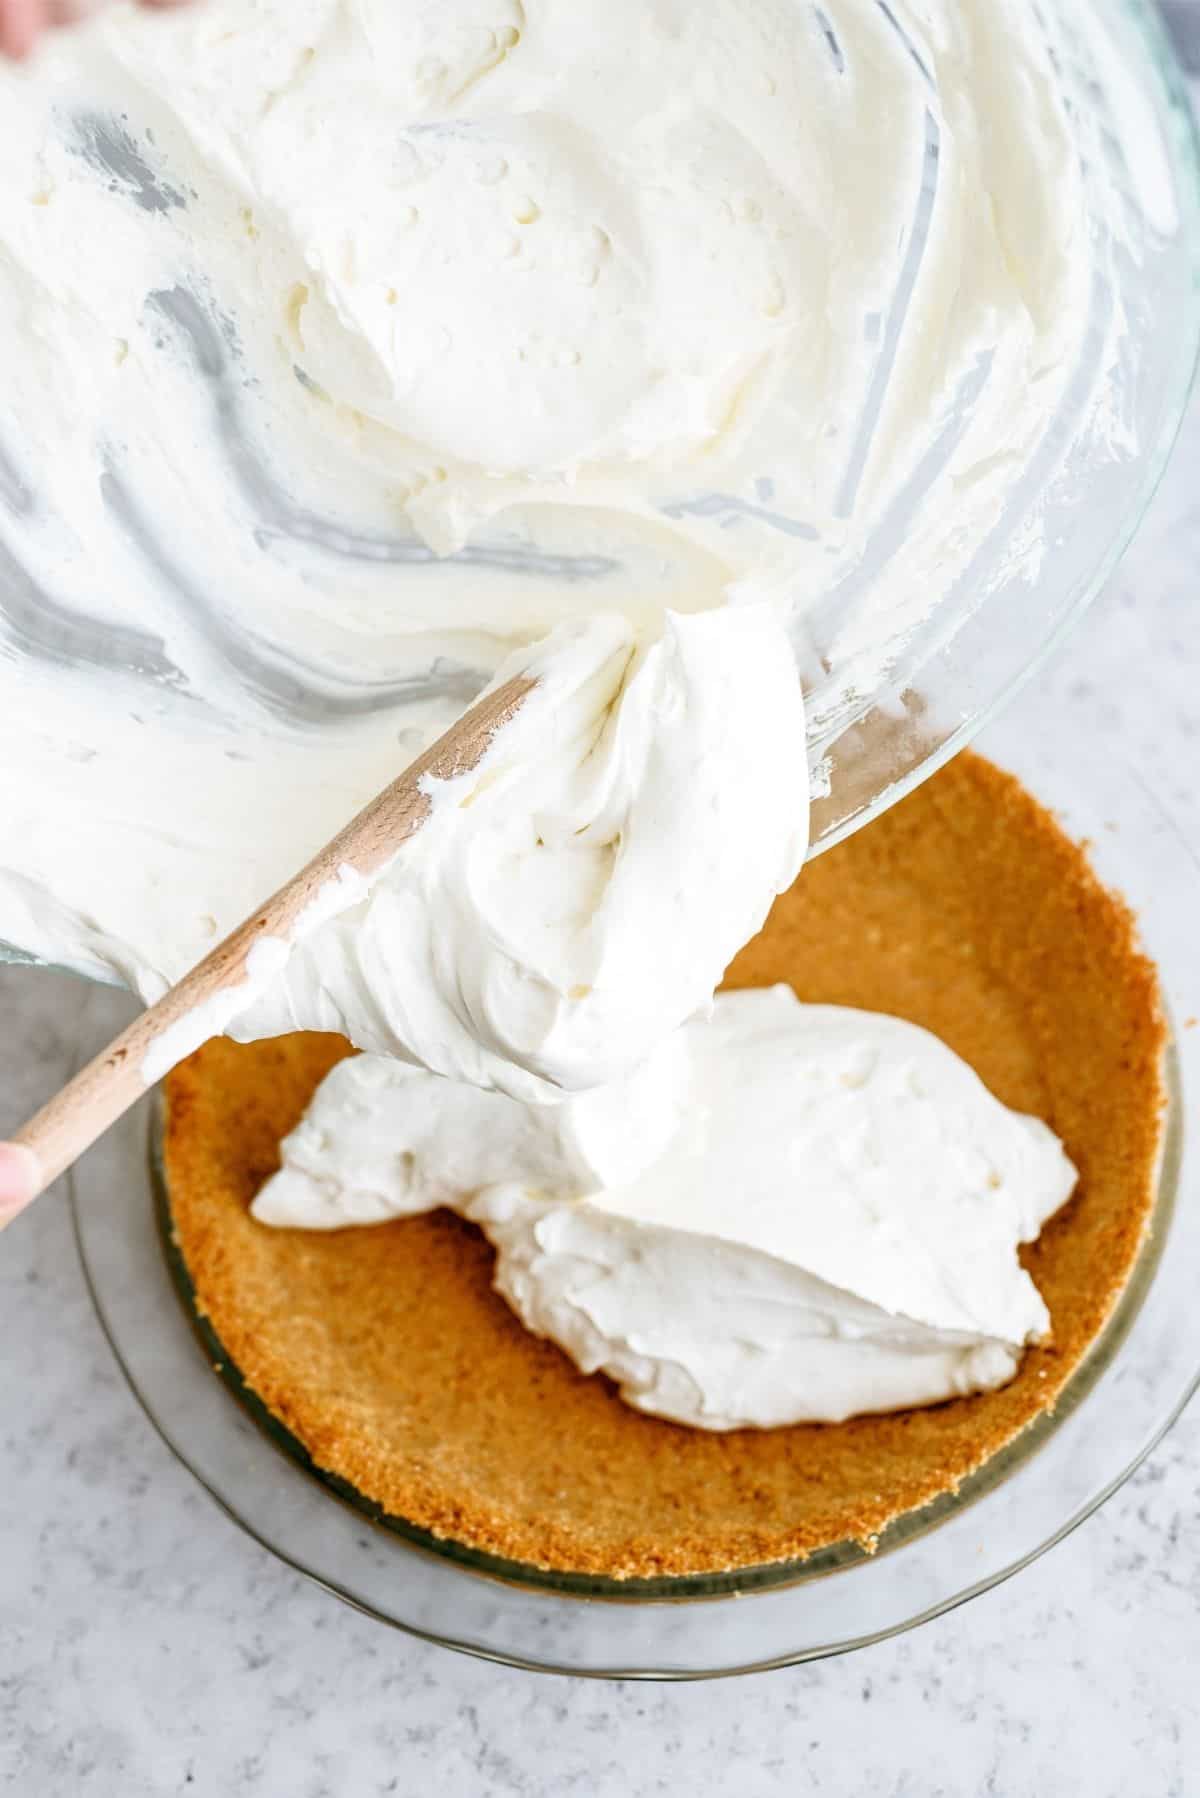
[1131, 1385]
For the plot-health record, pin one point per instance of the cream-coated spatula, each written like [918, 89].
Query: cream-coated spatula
[208, 997]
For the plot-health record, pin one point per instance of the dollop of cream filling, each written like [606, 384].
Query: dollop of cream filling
[578, 895]
[791, 1213]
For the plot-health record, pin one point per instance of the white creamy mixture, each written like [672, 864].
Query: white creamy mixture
[356, 352]
[793, 1213]
[351, 344]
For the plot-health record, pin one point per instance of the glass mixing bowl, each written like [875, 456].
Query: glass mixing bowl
[871, 736]
[994, 629]
[1132, 1384]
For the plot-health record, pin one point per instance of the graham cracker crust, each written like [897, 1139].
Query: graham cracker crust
[386, 1353]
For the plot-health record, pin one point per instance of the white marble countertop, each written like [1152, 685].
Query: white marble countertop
[148, 1647]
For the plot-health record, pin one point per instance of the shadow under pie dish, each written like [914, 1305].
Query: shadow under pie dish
[394, 1367]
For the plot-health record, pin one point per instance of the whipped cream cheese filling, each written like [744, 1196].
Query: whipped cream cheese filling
[793, 1213]
[580, 893]
[350, 346]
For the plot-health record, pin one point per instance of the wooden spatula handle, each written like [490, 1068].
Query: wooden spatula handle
[117, 1078]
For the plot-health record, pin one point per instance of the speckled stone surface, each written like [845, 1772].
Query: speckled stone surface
[148, 1648]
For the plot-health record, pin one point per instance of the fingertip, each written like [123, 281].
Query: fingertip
[21, 24]
[20, 1177]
